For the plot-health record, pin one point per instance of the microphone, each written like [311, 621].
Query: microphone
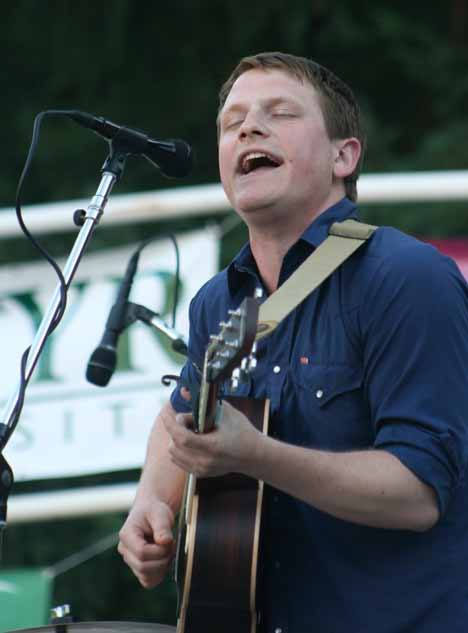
[103, 360]
[173, 157]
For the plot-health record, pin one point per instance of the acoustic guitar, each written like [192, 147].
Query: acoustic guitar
[219, 525]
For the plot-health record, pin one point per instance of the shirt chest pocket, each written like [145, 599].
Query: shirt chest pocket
[332, 405]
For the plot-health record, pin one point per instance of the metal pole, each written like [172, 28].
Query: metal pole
[91, 219]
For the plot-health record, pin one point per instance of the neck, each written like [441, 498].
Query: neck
[270, 241]
[269, 251]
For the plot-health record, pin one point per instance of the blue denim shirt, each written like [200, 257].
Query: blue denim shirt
[377, 357]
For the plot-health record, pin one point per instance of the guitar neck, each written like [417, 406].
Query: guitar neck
[207, 404]
[227, 352]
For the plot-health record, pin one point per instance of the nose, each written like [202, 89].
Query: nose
[253, 125]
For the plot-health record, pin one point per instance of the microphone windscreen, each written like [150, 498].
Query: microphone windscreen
[101, 366]
[184, 162]
[175, 162]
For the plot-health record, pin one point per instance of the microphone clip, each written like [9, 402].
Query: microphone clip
[136, 312]
[125, 143]
[118, 154]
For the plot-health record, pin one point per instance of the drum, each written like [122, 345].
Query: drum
[100, 627]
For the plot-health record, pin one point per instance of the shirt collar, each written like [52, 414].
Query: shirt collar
[317, 232]
[244, 262]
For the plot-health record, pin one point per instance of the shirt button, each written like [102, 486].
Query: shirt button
[319, 393]
[276, 369]
[276, 499]
[278, 630]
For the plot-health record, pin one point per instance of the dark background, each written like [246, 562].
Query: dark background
[157, 66]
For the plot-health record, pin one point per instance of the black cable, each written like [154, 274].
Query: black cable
[24, 228]
[14, 418]
[172, 237]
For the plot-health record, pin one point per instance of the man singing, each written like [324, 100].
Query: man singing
[365, 522]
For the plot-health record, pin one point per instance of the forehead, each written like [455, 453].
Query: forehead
[259, 85]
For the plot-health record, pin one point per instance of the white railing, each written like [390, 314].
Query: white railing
[184, 202]
[67, 504]
[150, 206]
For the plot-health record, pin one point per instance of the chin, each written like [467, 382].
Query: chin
[254, 207]
[250, 202]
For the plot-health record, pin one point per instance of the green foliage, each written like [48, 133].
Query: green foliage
[159, 67]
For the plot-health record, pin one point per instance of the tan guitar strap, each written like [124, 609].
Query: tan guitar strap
[343, 239]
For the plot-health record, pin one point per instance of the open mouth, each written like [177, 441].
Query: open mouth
[254, 161]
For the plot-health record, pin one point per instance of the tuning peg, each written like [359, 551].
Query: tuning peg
[225, 353]
[235, 379]
[216, 338]
[232, 344]
[226, 325]
[252, 363]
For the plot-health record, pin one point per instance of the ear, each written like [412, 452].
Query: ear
[347, 153]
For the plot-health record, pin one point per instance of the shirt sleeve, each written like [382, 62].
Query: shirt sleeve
[414, 324]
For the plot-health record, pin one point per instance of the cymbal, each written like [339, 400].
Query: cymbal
[100, 627]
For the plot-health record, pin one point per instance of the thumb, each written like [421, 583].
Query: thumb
[163, 537]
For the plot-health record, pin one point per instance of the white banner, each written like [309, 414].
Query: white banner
[68, 426]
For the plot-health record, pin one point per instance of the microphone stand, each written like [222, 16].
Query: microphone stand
[120, 148]
[137, 312]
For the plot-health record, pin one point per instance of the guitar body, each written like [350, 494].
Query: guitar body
[217, 553]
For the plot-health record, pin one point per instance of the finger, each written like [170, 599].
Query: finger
[182, 461]
[180, 430]
[146, 567]
[185, 420]
[195, 463]
[185, 393]
[149, 577]
[143, 546]
[145, 552]
[151, 580]
[163, 537]
[174, 425]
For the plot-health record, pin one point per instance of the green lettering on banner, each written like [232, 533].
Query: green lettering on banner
[23, 437]
[68, 426]
[117, 409]
[26, 300]
[25, 597]
[44, 368]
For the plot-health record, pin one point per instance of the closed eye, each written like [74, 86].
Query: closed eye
[285, 113]
[232, 123]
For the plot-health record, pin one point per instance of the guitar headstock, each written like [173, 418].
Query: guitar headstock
[233, 342]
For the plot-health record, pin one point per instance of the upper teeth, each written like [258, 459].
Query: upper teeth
[248, 157]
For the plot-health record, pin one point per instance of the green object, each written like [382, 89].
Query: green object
[25, 596]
